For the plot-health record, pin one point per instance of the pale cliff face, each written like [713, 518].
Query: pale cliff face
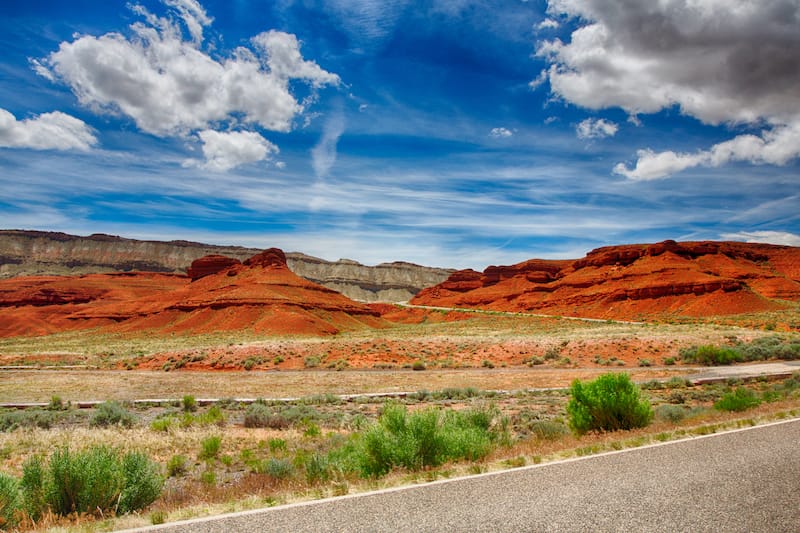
[33, 252]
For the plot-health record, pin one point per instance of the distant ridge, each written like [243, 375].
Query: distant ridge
[26, 252]
[636, 281]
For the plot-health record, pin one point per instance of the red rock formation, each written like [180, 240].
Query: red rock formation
[210, 264]
[634, 281]
[268, 258]
[222, 294]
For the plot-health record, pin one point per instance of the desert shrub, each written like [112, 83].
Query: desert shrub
[209, 447]
[670, 413]
[32, 485]
[214, 416]
[425, 438]
[609, 403]
[739, 399]
[10, 501]
[96, 480]
[456, 393]
[317, 468]
[112, 414]
[11, 420]
[83, 482]
[548, 429]
[418, 365]
[669, 361]
[278, 468]
[711, 355]
[189, 403]
[259, 415]
[311, 361]
[645, 362]
[143, 482]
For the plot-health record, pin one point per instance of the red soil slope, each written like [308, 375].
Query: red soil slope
[221, 294]
[634, 281]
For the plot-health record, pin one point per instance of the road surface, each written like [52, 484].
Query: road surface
[746, 480]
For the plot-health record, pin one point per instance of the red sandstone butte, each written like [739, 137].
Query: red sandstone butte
[637, 281]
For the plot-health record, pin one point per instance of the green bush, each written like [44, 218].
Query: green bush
[32, 485]
[112, 414]
[96, 480]
[740, 399]
[425, 438]
[143, 482]
[609, 403]
[10, 501]
[11, 420]
[278, 468]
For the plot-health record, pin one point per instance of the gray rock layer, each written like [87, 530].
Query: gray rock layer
[24, 253]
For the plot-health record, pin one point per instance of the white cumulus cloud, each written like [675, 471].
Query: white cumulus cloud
[776, 146]
[226, 150]
[596, 128]
[501, 133]
[48, 131]
[170, 86]
[720, 61]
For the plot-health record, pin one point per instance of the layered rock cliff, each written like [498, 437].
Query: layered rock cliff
[259, 294]
[634, 281]
[50, 253]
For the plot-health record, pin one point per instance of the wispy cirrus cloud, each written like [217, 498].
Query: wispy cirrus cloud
[323, 155]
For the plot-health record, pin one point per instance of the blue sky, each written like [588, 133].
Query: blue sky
[448, 133]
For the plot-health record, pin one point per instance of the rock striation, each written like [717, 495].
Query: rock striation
[634, 281]
[25, 253]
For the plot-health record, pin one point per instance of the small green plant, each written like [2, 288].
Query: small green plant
[210, 447]
[311, 361]
[176, 465]
[162, 424]
[278, 468]
[189, 403]
[112, 414]
[740, 399]
[487, 364]
[56, 404]
[645, 362]
[277, 445]
[418, 365]
[609, 403]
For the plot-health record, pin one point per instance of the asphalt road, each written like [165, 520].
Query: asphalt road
[747, 480]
